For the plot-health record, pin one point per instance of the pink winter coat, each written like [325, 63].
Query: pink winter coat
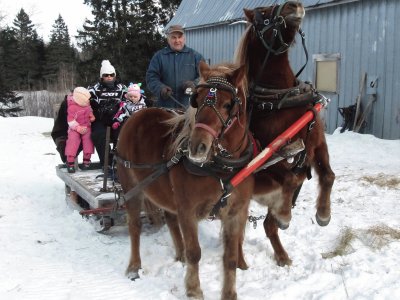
[81, 114]
[78, 116]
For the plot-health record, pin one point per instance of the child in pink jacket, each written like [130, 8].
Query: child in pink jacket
[79, 118]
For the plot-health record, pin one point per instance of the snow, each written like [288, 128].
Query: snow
[49, 252]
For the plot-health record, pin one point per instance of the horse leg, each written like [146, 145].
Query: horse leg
[271, 230]
[189, 227]
[282, 209]
[134, 225]
[241, 261]
[275, 190]
[173, 225]
[233, 231]
[326, 177]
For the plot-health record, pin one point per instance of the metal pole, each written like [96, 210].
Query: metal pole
[106, 155]
[275, 145]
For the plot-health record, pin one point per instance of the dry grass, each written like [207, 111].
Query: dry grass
[374, 237]
[383, 180]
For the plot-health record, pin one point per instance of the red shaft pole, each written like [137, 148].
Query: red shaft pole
[275, 145]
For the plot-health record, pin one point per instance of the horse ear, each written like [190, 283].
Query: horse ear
[249, 13]
[238, 75]
[204, 69]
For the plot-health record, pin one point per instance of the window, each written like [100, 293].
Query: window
[326, 71]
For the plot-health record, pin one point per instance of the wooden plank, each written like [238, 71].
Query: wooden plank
[87, 186]
[358, 99]
[366, 112]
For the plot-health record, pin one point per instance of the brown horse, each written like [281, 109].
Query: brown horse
[278, 100]
[189, 191]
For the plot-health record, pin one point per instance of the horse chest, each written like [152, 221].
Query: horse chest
[270, 199]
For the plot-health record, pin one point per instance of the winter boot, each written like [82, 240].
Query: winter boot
[71, 164]
[70, 167]
[86, 165]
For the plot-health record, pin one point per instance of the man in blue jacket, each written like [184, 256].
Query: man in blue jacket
[173, 70]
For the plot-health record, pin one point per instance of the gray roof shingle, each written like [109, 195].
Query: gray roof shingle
[198, 13]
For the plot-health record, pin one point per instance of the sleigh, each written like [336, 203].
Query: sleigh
[93, 195]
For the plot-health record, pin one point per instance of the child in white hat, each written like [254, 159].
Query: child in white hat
[134, 102]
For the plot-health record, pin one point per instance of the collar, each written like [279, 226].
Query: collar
[168, 50]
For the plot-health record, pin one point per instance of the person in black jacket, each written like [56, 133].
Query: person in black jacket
[106, 96]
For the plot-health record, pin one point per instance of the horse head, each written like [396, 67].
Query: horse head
[266, 42]
[221, 113]
[276, 26]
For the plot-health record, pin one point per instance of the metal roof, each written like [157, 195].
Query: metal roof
[199, 13]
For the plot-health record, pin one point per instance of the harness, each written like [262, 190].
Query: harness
[266, 100]
[222, 166]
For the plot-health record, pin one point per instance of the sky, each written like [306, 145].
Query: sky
[43, 13]
[49, 252]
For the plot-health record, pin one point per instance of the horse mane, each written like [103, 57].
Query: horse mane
[183, 124]
[240, 56]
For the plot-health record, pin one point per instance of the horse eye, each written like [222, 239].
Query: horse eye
[227, 106]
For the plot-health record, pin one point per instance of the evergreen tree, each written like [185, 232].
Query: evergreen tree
[60, 65]
[8, 56]
[9, 101]
[126, 32]
[29, 47]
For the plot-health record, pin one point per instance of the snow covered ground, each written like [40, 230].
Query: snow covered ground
[47, 251]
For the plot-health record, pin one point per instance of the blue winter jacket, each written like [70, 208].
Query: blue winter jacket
[172, 68]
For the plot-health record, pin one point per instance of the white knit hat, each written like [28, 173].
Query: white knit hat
[81, 96]
[107, 68]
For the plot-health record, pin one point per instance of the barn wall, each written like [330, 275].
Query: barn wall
[363, 32]
[364, 35]
[217, 43]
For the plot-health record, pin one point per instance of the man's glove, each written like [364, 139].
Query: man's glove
[166, 91]
[188, 87]
[81, 129]
[115, 125]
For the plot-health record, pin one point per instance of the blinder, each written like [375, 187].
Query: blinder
[192, 99]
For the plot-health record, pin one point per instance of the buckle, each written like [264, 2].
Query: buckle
[127, 164]
[266, 105]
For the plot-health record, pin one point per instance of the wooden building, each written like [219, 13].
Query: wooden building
[345, 39]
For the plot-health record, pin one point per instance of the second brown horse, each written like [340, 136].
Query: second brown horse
[219, 131]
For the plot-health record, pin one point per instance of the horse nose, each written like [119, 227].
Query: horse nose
[201, 149]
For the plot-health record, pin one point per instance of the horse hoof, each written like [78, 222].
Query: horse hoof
[322, 222]
[283, 261]
[281, 225]
[133, 275]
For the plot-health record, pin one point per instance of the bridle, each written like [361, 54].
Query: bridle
[275, 22]
[214, 84]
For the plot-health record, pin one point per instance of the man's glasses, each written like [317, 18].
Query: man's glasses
[108, 75]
